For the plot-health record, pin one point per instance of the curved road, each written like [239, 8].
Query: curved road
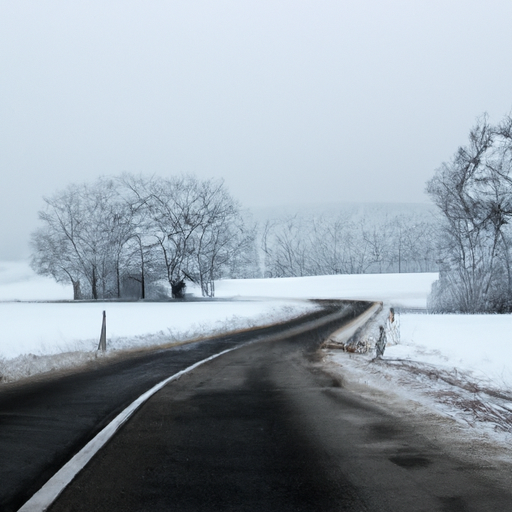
[44, 422]
[262, 428]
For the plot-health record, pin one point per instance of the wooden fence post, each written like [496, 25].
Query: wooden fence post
[102, 345]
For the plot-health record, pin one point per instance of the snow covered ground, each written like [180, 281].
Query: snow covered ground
[458, 365]
[477, 344]
[38, 336]
[19, 282]
[407, 290]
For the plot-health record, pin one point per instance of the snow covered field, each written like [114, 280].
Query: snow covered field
[477, 344]
[40, 336]
[459, 364]
[407, 290]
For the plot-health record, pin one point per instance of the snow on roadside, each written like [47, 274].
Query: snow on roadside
[478, 345]
[50, 328]
[39, 337]
[399, 290]
[456, 365]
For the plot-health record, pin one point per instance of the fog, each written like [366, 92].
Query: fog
[291, 102]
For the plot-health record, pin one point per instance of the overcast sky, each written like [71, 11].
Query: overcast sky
[289, 101]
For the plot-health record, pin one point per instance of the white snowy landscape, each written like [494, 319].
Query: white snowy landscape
[458, 365]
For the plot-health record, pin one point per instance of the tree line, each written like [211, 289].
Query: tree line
[348, 243]
[473, 195]
[119, 237]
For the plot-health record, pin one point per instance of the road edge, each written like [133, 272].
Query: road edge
[51, 490]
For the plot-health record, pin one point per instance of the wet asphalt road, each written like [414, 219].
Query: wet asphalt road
[264, 428]
[43, 423]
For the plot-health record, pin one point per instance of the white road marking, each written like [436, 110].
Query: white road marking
[50, 491]
[43, 498]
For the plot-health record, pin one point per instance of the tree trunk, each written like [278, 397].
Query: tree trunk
[94, 284]
[77, 292]
[142, 285]
[118, 279]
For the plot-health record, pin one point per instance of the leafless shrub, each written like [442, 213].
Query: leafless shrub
[482, 403]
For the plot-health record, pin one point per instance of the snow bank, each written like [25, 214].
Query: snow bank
[478, 345]
[406, 290]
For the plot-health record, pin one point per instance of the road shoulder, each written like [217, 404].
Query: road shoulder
[408, 396]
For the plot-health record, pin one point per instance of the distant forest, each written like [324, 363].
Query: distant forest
[135, 237]
[358, 240]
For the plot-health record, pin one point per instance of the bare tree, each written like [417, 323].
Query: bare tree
[58, 244]
[378, 238]
[287, 247]
[328, 245]
[141, 251]
[474, 195]
[195, 225]
[54, 256]
[220, 235]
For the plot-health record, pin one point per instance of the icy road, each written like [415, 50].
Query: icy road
[44, 422]
[261, 428]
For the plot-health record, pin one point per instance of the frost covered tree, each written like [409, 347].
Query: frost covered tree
[473, 192]
[221, 238]
[85, 228]
[193, 224]
[286, 246]
[60, 247]
[347, 244]
[103, 236]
